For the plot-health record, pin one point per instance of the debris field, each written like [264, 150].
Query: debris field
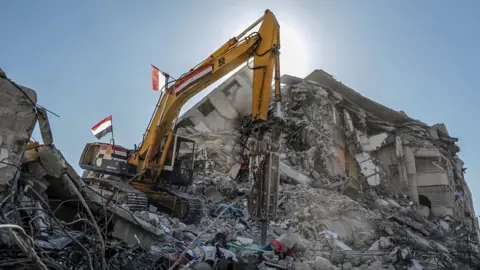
[362, 187]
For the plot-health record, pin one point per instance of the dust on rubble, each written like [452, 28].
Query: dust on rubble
[51, 219]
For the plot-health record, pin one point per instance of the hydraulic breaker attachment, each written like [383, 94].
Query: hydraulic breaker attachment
[265, 178]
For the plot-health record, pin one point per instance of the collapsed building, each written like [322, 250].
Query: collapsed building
[351, 136]
[337, 139]
[363, 187]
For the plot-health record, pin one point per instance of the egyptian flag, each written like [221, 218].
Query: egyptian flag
[159, 79]
[193, 77]
[103, 127]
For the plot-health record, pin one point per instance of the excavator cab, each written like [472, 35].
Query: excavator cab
[179, 163]
[108, 159]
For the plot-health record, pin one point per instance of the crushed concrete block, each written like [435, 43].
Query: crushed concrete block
[381, 243]
[441, 248]
[368, 168]
[298, 177]
[424, 211]
[420, 242]
[381, 204]
[52, 161]
[213, 194]
[377, 265]
[321, 263]
[377, 140]
[17, 114]
[442, 129]
[444, 225]
[433, 133]
[234, 171]
[347, 266]
[393, 203]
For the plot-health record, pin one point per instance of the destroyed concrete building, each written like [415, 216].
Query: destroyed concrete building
[363, 187]
[339, 140]
[362, 141]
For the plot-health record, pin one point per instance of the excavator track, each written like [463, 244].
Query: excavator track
[183, 206]
[194, 213]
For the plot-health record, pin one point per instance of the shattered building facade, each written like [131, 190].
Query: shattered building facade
[362, 187]
[344, 140]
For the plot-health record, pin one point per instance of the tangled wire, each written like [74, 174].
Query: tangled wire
[36, 233]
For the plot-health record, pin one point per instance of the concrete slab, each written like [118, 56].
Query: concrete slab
[221, 108]
[18, 116]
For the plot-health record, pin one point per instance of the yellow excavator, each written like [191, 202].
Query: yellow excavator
[165, 159]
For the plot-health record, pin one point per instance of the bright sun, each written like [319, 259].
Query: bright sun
[293, 51]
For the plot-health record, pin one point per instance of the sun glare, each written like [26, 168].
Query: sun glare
[293, 51]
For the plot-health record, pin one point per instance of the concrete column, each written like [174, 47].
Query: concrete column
[411, 173]
[402, 167]
[17, 120]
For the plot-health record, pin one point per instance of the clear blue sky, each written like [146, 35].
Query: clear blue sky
[90, 59]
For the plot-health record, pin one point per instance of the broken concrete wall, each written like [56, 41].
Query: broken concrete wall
[326, 144]
[388, 161]
[220, 109]
[314, 137]
[336, 138]
[18, 118]
[404, 155]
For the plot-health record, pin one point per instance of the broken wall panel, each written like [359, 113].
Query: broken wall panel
[18, 118]
[221, 108]
[421, 159]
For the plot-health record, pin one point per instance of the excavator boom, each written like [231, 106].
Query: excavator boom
[262, 45]
[159, 162]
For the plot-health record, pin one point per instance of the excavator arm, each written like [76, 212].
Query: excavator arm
[263, 46]
[143, 168]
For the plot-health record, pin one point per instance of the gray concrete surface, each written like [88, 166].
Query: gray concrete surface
[17, 114]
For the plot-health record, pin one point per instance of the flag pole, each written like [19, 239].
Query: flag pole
[112, 140]
[165, 89]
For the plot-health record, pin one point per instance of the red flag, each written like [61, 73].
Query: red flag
[159, 79]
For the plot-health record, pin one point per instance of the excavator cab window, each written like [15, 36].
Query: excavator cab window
[182, 151]
[184, 155]
[169, 158]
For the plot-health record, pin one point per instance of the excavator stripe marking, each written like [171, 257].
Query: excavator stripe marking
[118, 148]
[193, 77]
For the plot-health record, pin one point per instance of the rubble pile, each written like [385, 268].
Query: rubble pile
[338, 206]
[385, 226]
[49, 218]
[308, 142]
